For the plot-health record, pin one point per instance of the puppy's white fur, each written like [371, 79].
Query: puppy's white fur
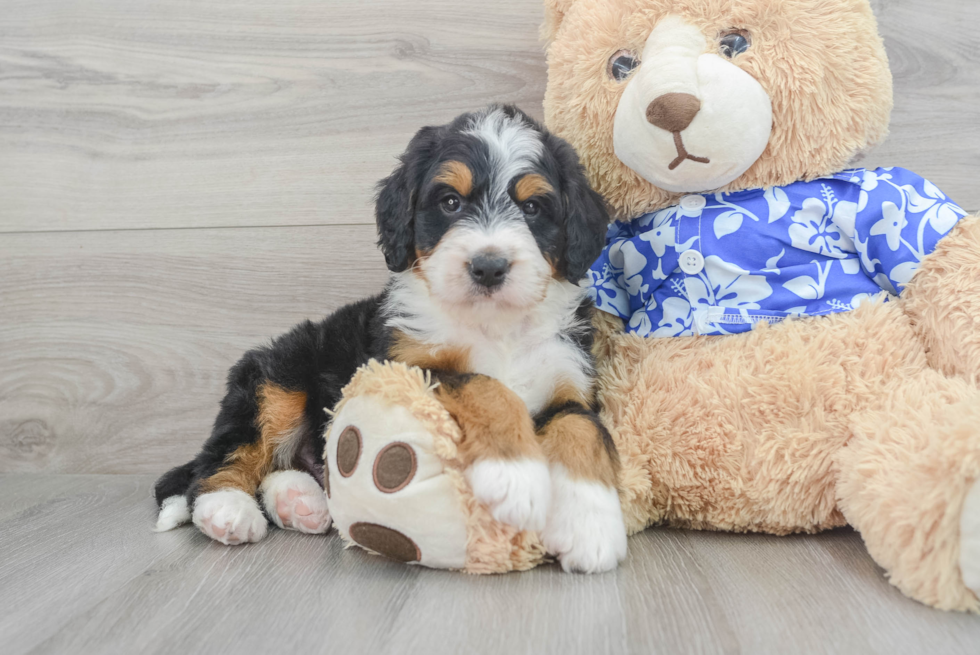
[230, 516]
[295, 501]
[585, 526]
[173, 512]
[513, 147]
[517, 492]
[523, 348]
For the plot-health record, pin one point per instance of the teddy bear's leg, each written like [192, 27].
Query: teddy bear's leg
[908, 481]
[585, 526]
[295, 501]
[503, 461]
[943, 301]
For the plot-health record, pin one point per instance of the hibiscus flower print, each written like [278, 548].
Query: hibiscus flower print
[724, 284]
[890, 226]
[815, 226]
[936, 208]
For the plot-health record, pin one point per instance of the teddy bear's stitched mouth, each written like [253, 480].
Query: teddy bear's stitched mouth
[683, 154]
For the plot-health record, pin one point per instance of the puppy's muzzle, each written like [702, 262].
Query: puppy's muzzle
[489, 270]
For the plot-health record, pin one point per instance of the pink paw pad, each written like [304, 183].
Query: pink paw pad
[298, 502]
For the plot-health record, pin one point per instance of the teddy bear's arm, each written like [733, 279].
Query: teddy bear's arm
[943, 301]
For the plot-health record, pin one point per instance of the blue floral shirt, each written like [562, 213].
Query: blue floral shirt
[719, 263]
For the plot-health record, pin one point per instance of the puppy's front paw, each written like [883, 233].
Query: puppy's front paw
[230, 516]
[518, 492]
[585, 528]
[295, 501]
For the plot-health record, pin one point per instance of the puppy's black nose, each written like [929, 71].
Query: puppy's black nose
[489, 270]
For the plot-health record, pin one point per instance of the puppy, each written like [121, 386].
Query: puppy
[487, 225]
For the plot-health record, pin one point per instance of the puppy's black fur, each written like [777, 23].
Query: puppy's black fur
[319, 358]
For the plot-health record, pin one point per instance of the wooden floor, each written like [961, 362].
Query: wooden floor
[81, 572]
[182, 180]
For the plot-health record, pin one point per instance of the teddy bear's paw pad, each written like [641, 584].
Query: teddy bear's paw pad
[294, 501]
[349, 446]
[387, 490]
[385, 541]
[517, 492]
[585, 528]
[230, 516]
[394, 467]
[970, 539]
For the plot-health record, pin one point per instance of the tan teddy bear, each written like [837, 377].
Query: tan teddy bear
[720, 134]
[786, 344]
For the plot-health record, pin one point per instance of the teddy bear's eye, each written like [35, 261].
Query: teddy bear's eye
[621, 65]
[734, 43]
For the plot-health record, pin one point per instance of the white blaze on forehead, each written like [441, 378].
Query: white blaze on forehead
[514, 146]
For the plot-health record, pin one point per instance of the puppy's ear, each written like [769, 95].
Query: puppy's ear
[395, 205]
[586, 218]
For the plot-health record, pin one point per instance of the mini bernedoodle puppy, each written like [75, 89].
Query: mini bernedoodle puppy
[487, 225]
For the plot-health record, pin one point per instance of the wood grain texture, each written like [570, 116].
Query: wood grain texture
[123, 113]
[82, 573]
[134, 114]
[934, 51]
[114, 345]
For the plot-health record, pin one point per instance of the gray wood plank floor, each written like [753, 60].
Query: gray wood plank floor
[180, 181]
[82, 572]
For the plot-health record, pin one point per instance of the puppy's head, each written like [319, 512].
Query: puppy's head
[490, 209]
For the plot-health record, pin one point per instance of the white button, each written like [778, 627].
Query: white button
[692, 262]
[693, 203]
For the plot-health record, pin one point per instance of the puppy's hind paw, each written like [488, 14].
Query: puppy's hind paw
[517, 492]
[230, 516]
[295, 501]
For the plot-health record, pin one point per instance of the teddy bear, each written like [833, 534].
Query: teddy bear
[785, 343]
[788, 343]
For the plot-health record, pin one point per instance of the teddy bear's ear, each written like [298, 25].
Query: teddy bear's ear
[554, 13]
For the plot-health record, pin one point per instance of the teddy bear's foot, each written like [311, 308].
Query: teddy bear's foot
[517, 492]
[230, 516]
[585, 527]
[970, 539]
[295, 501]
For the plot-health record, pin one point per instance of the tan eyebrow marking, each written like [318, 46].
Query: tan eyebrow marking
[457, 175]
[531, 185]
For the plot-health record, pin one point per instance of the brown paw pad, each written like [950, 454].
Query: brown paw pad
[385, 541]
[394, 467]
[348, 450]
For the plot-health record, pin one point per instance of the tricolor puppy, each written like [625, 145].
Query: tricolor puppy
[487, 225]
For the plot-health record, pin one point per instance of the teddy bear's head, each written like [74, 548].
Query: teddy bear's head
[664, 97]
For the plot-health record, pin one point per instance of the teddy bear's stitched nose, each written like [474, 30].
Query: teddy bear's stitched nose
[673, 111]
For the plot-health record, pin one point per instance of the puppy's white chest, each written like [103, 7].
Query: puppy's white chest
[531, 368]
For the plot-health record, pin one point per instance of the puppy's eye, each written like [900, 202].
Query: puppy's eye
[531, 208]
[621, 64]
[450, 204]
[734, 43]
